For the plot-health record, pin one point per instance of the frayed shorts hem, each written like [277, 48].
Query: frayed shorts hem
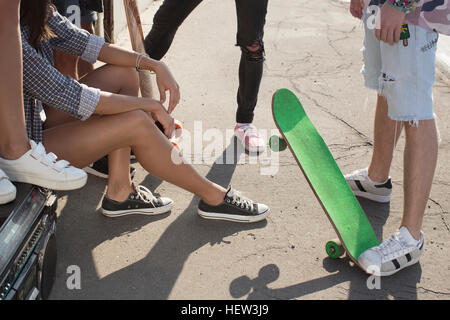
[412, 120]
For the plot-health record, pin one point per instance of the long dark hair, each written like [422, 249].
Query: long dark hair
[34, 15]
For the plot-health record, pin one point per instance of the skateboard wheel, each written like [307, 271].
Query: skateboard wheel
[277, 143]
[334, 248]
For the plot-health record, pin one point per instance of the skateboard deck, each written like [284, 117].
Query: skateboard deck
[324, 176]
[137, 42]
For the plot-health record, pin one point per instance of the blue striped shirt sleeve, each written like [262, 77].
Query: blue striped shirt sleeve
[43, 82]
[69, 38]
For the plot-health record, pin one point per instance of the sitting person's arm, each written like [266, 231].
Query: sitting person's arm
[91, 48]
[43, 82]
[70, 39]
[115, 55]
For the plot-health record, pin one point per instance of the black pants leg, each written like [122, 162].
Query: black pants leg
[251, 17]
[166, 21]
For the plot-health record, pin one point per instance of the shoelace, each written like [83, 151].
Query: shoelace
[392, 248]
[361, 173]
[240, 201]
[49, 158]
[144, 194]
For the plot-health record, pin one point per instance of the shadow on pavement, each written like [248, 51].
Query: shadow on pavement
[154, 276]
[399, 286]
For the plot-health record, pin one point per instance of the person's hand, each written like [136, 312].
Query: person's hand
[391, 21]
[163, 117]
[166, 82]
[356, 8]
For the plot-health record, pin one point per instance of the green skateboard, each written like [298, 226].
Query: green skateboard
[355, 233]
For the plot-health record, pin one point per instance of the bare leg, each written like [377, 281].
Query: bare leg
[385, 130]
[119, 179]
[66, 63]
[13, 135]
[420, 159]
[123, 81]
[84, 142]
[115, 80]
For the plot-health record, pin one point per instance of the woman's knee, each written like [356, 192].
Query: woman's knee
[254, 52]
[114, 79]
[140, 126]
[139, 121]
[129, 80]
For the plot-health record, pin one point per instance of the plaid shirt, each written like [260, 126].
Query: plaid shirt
[43, 84]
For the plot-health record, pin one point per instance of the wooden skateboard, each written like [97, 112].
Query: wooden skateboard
[354, 231]
[137, 42]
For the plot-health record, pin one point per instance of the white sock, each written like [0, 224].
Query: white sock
[376, 182]
[408, 237]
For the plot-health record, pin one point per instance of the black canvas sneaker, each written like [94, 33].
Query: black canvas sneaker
[234, 208]
[100, 169]
[141, 201]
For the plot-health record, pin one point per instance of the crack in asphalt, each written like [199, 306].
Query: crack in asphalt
[442, 213]
[434, 292]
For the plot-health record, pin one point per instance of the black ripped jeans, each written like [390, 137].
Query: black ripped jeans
[251, 18]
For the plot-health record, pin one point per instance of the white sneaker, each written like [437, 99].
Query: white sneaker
[250, 138]
[7, 189]
[41, 168]
[398, 252]
[364, 187]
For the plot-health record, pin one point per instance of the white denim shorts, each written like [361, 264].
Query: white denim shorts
[403, 74]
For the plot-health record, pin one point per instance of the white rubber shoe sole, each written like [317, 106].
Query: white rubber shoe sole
[146, 212]
[7, 189]
[233, 217]
[371, 196]
[57, 185]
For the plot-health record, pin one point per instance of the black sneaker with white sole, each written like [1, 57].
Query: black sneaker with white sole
[234, 208]
[141, 201]
[100, 169]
